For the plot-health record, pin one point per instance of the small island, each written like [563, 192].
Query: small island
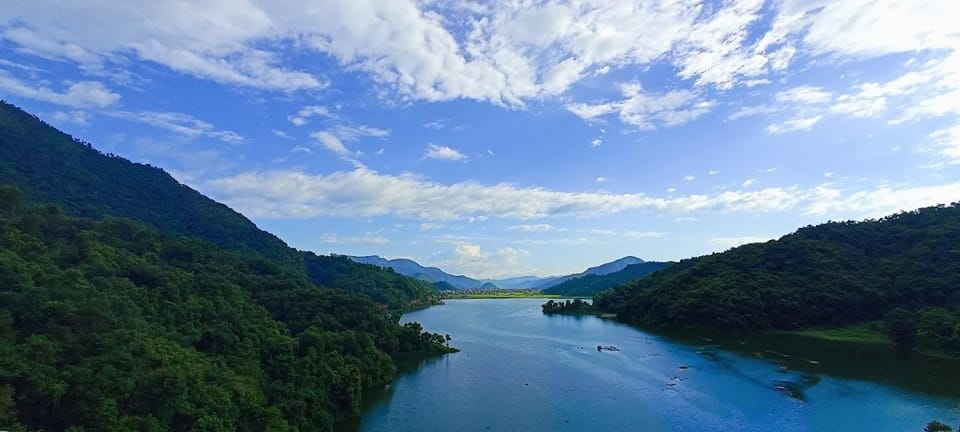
[576, 306]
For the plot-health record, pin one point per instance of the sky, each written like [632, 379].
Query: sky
[506, 138]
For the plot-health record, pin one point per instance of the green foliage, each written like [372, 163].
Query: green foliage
[51, 166]
[590, 285]
[382, 285]
[901, 327]
[576, 306]
[936, 426]
[111, 325]
[833, 274]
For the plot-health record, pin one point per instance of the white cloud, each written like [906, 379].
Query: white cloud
[469, 258]
[179, 123]
[303, 116]
[947, 143]
[366, 238]
[71, 117]
[443, 153]
[688, 178]
[713, 172]
[748, 182]
[803, 95]
[828, 174]
[749, 111]
[531, 228]
[364, 193]
[795, 124]
[437, 124]
[430, 226]
[82, 94]
[867, 28]
[647, 110]
[601, 179]
[281, 134]
[331, 142]
[596, 142]
[502, 52]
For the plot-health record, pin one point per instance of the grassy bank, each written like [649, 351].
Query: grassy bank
[865, 333]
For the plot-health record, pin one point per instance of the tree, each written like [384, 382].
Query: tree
[936, 426]
[901, 327]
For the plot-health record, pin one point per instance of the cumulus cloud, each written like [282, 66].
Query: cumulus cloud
[648, 110]
[71, 117]
[502, 52]
[365, 193]
[303, 116]
[82, 94]
[469, 258]
[443, 153]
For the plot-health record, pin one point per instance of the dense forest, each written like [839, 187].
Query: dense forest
[111, 325]
[827, 275]
[575, 306]
[51, 166]
[589, 285]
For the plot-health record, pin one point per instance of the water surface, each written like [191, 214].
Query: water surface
[519, 370]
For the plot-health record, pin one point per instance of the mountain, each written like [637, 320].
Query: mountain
[590, 284]
[432, 274]
[602, 269]
[612, 266]
[51, 166]
[827, 275]
[412, 269]
[444, 286]
[521, 282]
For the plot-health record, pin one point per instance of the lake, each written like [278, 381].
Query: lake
[520, 370]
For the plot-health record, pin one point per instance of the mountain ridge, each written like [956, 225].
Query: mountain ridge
[411, 268]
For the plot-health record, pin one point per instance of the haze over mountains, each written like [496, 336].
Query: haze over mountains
[434, 275]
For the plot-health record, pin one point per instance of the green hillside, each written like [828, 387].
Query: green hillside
[51, 166]
[111, 325]
[828, 275]
[587, 286]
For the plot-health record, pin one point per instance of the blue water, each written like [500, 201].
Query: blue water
[519, 370]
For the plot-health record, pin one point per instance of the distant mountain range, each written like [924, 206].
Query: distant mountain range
[443, 280]
[591, 284]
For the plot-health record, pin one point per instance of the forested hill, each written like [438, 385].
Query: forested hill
[51, 166]
[111, 325]
[830, 274]
[588, 285]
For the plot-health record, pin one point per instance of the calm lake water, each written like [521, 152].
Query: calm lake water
[519, 370]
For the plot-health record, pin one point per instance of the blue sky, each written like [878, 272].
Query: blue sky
[508, 138]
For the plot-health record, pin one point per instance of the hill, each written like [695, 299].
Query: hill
[110, 324]
[591, 284]
[51, 166]
[612, 266]
[827, 275]
[413, 269]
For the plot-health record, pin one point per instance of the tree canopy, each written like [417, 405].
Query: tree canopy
[832, 274]
[112, 325]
